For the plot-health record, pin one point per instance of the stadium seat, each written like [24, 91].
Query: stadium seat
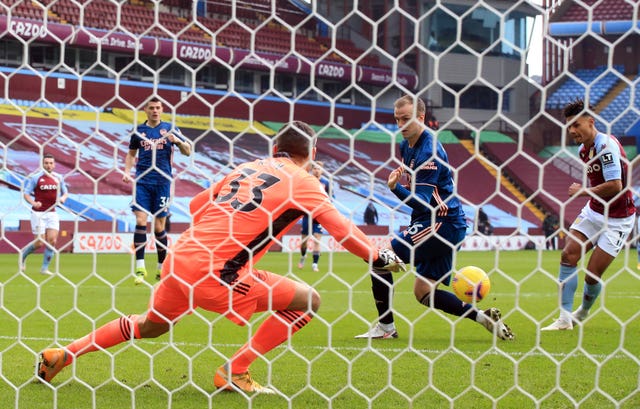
[604, 10]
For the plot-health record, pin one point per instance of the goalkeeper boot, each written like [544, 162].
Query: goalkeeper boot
[238, 382]
[51, 362]
[491, 319]
[158, 274]
[378, 332]
[141, 274]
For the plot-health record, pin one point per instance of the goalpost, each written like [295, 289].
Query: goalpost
[229, 73]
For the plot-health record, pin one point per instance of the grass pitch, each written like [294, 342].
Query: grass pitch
[437, 362]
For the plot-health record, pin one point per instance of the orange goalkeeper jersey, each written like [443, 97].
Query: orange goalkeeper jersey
[236, 220]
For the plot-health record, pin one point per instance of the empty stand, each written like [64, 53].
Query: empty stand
[618, 112]
[353, 52]
[604, 10]
[548, 189]
[599, 82]
[474, 183]
[478, 187]
[140, 19]
[26, 9]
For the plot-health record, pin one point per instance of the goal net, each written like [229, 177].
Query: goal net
[495, 75]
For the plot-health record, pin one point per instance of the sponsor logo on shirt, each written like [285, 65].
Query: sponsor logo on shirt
[594, 168]
[148, 144]
[48, 187]
[430, 166]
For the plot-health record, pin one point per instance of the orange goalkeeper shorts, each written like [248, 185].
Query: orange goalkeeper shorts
[254, 291]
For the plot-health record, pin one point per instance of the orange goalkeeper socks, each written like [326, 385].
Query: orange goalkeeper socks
[108, 335]
[273, 332]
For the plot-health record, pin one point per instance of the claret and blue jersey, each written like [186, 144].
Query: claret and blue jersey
[606, 160]
[46, 188]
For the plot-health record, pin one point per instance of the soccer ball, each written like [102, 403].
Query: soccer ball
[471, 284]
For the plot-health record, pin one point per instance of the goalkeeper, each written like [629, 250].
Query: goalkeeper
[437, 227]
[211, 265]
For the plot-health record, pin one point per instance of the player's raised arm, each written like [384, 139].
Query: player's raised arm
[181, 142]
[355, 241]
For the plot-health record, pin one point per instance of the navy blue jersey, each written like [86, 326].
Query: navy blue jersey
[155, 152]
[327, 186]
[434, 188]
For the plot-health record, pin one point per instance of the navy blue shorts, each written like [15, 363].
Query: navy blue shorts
[433, 248]
[153, 199]
[315, 227]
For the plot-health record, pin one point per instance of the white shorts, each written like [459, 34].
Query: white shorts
[43, 221]
[610, 234]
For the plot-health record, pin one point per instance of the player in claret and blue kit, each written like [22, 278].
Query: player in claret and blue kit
[437, 227]
[43, 191]
[153, 142]
[605, 221]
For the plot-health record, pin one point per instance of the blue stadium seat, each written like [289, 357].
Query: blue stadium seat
[600, 85]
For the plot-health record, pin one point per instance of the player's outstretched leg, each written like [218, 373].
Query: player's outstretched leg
[491, 319]
[51, 362]
[115, 332]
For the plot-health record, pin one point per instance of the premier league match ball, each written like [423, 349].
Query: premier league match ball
[471, 284]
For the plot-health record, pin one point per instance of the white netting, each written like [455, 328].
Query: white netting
[75, 73]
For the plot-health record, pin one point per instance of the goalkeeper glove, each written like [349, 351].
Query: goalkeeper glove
[388, 261]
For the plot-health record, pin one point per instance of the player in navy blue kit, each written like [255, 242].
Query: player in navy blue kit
[437, 227]
[43, 191]
[605, 221]
[153, 143]
[316, 229]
